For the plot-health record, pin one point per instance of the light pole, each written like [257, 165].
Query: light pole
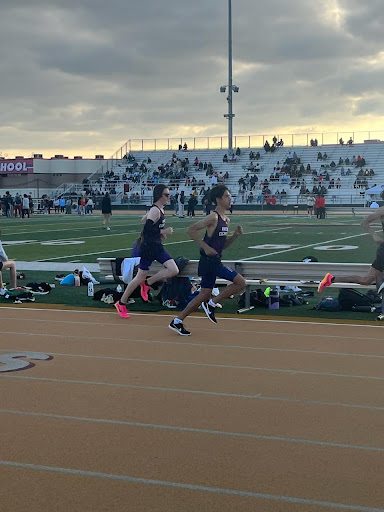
[231, 88]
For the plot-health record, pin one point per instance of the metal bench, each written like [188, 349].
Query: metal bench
[270, 273]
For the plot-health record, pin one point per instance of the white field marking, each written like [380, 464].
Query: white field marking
[214, 365]
[73, 240]
[190, 487]
[233, 318]
[195, 430]
[335, 247]
[257, 396]
[303, 247]
[191, 344]
[130, 248]
[98, 227]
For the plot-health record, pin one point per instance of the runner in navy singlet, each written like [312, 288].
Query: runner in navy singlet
[210, 267]
[375, 273]
[150, 248]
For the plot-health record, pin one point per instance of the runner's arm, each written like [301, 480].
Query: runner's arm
[238, 232]
[209, 221]
[369, 220]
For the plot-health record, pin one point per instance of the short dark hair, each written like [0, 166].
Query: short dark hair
[217, 192]
[158, 191]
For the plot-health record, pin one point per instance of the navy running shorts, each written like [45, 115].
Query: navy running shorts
[222, 272]
[378, 264]
[148, 254]
[1, 265]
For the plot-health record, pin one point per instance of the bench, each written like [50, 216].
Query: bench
[270, 273]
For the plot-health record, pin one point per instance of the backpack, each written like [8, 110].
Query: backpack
[349, 297]
[328, 304]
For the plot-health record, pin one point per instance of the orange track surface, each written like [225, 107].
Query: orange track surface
[246, 415]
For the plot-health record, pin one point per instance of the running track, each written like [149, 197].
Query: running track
[245, 416]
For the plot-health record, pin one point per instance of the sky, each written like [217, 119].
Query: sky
[83, 77]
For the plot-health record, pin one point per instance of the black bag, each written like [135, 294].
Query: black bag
[349, 297]
[328, 304]
[256, 299]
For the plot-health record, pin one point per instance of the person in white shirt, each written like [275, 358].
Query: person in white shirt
[6, 264]
[89, 206]
[25, 206]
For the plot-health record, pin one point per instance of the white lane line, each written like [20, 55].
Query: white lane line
[214, 365]
[165, 316]
[304, 246]
[24, 335]
[258, 396]
[194, 430]
[200, 488]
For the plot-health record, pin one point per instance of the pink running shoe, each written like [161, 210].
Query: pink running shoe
[122, 310]
[327, 281]
[144, 289]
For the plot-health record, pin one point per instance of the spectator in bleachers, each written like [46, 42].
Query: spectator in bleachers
[341, 142]
[341, 161]
[225, 158]
[349, 172]
[342, 171]
[185, 147]
[267, 146]
[338, 183]
[238, 152]
[319, 156]
[325, 156]
[196, 162]
[353, 162]
[251, 155]
[274, 139]
[371, 172]
[280, 143]
[350, 142]
[346, 161]
[250, 198]
[257, 156]
[332, 164]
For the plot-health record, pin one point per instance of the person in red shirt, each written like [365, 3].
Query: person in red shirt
[317, 206]
[322, 207]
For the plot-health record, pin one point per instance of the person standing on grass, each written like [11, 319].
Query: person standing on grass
[212, 245]
[6, 264]
[375, 272]
[25, 206]
[150, 249]
[106, 210]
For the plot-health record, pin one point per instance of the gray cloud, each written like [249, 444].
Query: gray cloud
[87, 75]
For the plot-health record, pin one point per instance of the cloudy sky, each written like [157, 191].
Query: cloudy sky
[83, 77]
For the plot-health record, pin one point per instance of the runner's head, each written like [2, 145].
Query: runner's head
[220, 194]
[160, 192]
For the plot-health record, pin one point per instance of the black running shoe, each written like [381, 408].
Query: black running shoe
[209, 311]
[179, 328]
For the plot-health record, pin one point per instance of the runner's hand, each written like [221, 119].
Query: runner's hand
[210, 251]
[239, 230]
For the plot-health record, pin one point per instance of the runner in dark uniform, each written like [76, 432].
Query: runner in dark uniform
[150, 248]
[375, 273]
[210, 266]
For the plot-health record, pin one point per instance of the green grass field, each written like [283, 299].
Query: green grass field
[56, 238]
[82, 239]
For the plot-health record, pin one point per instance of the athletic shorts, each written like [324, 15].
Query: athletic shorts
[378, 264]
[1, 265]
[208, 278]
[150, 253]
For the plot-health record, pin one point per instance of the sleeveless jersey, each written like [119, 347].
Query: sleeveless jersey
[219, 236]
[151, 231]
